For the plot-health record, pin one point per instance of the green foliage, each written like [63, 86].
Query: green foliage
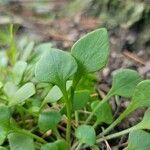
[103, 114]
[139, 140]
[91, 55]
[4, 116]
[18, 70]
[141, 95]
[47, 96]
[57, 145]
[124, 82]
[55, 66]
[20, 142]
[86, 134]
[22, 94]
[55, 93]
[80, 99]
[49, 120]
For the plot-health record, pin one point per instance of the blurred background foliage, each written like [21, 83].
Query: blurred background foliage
[63, 21]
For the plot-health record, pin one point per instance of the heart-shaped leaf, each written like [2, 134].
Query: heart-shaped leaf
[18, 141]
[91, 51]
[86, 135]
[18, 71]
[49, 120]
[22, 94]
[139, 140]
[103, 114]
[80, 99]
[124, 82]
[55, 66]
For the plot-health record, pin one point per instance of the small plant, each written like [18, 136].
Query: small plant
[42, 98]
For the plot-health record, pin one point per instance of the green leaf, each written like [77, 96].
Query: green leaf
[80, 99]
[22, 94]
[20, 141]
[18, 71]
[145, 123]
[3, 148]
[49, 120]
[4, 117]
[3, 134]
[124, 82]
[139, 140]
[1, 85]
[55, 93]
[43, 47]
[27, 51]
[141, 95]
[10, 89]
[86, 134]
[55, 66]
[49, 146]
[62, 145]
[57, 145]
[91, 51]
[103, 114]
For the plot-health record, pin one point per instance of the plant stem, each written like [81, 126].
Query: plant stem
[115, 135]
[57, 134]
[41, 140]
[106, 98]
[76, 118]
[69, 115]
[79, 146]
[117, 121]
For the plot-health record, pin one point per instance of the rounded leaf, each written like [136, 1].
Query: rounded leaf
[141, 95]
[19, 141]
[124, 82]
[80, 99]
[103, 114]
[55, 66]
[22, 94]
[86, 134]
[49, 146]
[49, 120]
[91, 51]
[139, 140]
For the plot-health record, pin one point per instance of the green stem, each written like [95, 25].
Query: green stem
[115, 135]
[57, 134]
[69, 115]
[106, 98]
[39, 139]
[117, 121]
[76, 118]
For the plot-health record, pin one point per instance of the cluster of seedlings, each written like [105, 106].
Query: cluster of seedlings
[44, 105]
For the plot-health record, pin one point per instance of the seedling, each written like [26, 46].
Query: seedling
[42, 98]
